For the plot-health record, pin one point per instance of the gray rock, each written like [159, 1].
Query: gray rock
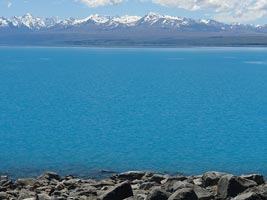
[211, 178]
[176, 178]
[203, 194]
[259, 179]
[49, 176]
[131, 175]
[26, 182]
[249, 196]
[141, 192]
[180, 185]
[137, 197]
[138, 181]
[157, 178]
[46, 189]
[7, 184]
[184, 194]
[119, 192]
[13, 193]
[72, 183]
[3, 196]
[158, 194]
[231, 186]
[198, 181]
[60, 186]
[135, 186]
[261, 190]
[168, 184]
[3, 189]
[87, 190]
[24, 194]
[103, 183]
[148, 185]
[3, 178]
[141, 197]
[44, 197]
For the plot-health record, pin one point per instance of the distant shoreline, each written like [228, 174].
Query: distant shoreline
[135, 47]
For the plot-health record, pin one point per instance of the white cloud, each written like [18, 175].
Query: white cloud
[9, 4]
[224, 10]
[97, 3]
[216, 5]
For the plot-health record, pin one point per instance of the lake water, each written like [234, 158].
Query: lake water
[79, 110]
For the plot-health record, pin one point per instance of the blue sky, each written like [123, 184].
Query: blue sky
[245, 11]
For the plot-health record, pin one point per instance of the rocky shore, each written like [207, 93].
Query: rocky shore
[136, 186]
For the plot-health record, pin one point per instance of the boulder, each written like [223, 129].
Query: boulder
[60, 186]
[13, 193]
[211, 178]
[198, 181]
[141, 197]
[24, 194]
[3, 178]
[157, 178]
[7, 184]
[184, 194]
[261, 190]
[119, 192]
[87, 190]
[259, 179]
[72, 183]
[46, 189]
[26, 182]
[249, 196]
[83, 198]
[3, 196]
[147, 185]
[176, 178]
[103, 183]
[231, 186]
[203, 194]
[43, 197]
[168, 184]
[131, 175]
[157, 194]
[49, 176]
[180, 185]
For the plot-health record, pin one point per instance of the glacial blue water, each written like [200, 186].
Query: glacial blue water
[79, 110]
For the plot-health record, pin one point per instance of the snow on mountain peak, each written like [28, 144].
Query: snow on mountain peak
[3, 22]
[151, 19]
[27, 20]
[126, 19]
[98, 19]
[204, 21]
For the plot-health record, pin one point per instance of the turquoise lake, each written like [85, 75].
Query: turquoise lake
[79, 110]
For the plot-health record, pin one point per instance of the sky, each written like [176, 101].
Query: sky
[229, 11]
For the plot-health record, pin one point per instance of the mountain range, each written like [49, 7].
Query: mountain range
[150, 30]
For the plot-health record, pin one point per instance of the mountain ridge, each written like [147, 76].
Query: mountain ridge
[150, 30]
[151, 18]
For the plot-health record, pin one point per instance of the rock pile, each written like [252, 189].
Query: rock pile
[136, 186]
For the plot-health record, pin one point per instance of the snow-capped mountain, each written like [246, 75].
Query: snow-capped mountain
[149, 20]
[23, 21]
[36, 23]
[151, 29]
